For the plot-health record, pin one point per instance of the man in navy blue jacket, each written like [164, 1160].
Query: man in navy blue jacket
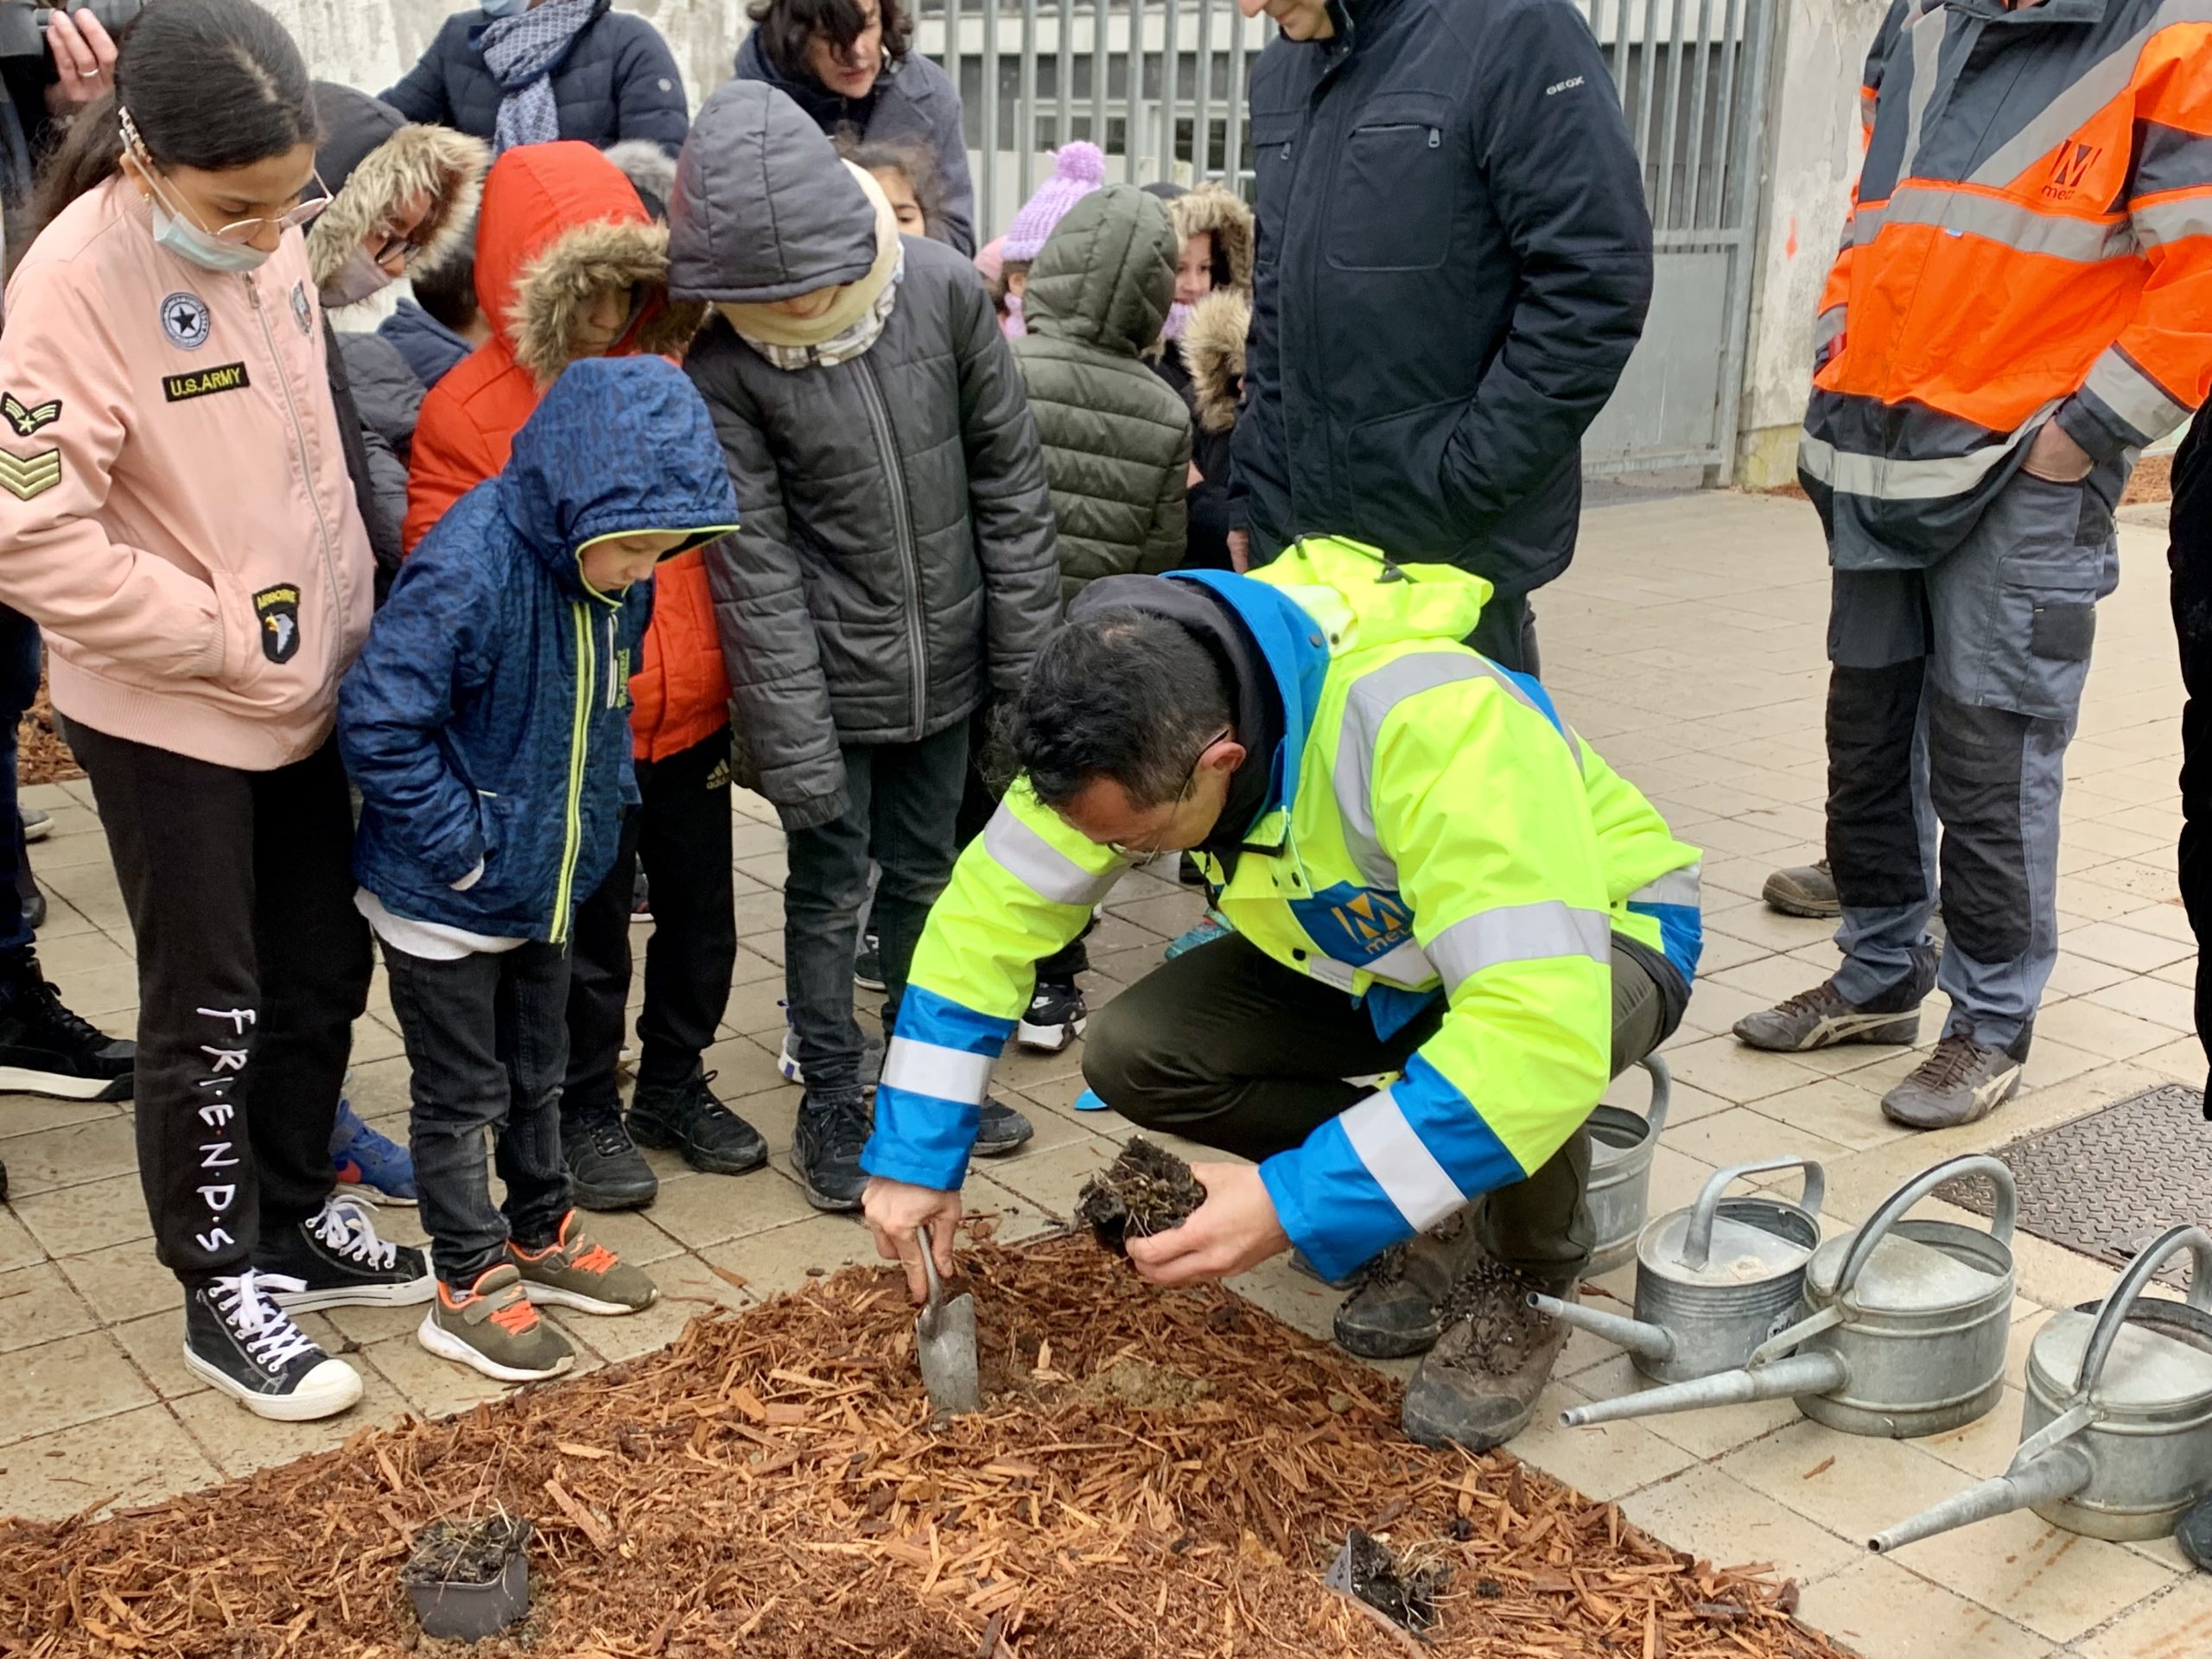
[1454, 261]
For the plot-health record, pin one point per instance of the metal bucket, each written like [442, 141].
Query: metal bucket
[2116, 1435]
[1621, 1148]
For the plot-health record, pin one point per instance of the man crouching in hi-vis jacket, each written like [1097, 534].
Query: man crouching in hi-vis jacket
[1427, 873]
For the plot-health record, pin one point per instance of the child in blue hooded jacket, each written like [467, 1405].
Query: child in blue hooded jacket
[487, 725]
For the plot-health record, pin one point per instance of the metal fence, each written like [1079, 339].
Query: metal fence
[1159, 86]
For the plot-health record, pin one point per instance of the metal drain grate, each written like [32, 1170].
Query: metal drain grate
[2107, 1184]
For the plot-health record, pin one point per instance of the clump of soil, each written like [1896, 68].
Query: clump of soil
[1146, 1190]
[465, 1552]
[1404, 1594]
[1501, 1327]
[1142, 1386]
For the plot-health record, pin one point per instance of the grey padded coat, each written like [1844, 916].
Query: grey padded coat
[896, 559]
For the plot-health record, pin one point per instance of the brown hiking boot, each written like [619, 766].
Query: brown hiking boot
[1395, 1309]
[1478, 1385]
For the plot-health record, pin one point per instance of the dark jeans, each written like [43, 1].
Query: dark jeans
[902, 802]
[253, 966]
[19, 666]
[681, 830]
[2190, 558]
[1227, 1047]
[487, 1039]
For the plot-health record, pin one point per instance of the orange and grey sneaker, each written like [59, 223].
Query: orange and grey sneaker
[576, 1271]
[492, 1326]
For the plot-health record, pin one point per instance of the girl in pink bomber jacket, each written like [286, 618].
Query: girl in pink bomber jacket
[176, 516]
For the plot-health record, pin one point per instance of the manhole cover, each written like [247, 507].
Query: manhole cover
[2107, 1184]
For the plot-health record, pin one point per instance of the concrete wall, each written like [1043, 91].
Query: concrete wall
[1812, 140]
[371, 43]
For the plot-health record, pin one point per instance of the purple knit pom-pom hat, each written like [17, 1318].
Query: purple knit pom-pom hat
[1078, 169]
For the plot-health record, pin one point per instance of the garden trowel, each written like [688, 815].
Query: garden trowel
[944, 1341]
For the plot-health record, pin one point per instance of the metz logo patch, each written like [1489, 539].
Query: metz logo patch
[278, 607]
[25, 476]
[28, 421]
[224, 376]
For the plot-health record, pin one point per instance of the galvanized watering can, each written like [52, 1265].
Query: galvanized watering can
[1621, 1148]
[1903, 1329]
[1713, 1281]
[2116, 1438]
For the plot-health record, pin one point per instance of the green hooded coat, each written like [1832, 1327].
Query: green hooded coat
[1116, 438]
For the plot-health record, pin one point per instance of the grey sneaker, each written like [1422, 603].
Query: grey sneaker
[1960, 1082]
[577, 1271]
[492, 1328]
[1821, 1018]
[1804, 890]
[1396, 1308]
[1477, 1388]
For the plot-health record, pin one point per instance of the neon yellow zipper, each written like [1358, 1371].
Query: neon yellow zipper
[579, 747]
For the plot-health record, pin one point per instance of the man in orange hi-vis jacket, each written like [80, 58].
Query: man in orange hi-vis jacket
[2023, 302]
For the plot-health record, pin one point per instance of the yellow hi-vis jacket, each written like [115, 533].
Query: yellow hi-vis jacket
[1440, 832]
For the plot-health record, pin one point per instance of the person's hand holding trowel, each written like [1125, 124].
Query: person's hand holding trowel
[895, 1210]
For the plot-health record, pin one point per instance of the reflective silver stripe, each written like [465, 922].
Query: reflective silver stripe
[1889, 479]
[1866, 223]
[1927, 44]
[1827, 327]
[2074, 105]
[1404, 964]
[1680, 886]
[2158, 223]
[2012, 223]
[931, 1069]
[1367, 706]
[1054, 875]
[1547, 929]
[1406, 1170]
[2133, 395]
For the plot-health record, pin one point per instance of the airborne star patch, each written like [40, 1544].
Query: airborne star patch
[25, 476]
[278, 607]
[205, 382]
[28, 421]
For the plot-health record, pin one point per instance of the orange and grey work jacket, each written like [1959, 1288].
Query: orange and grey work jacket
[2030, 238]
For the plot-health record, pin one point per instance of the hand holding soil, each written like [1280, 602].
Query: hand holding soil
[1180, 1224]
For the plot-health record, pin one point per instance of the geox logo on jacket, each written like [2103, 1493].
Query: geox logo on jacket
[2030, 238]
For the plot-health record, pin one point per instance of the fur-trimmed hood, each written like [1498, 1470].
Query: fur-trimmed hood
[1213, 351]
[372, 159]
[560, 225]
[651, 170]
[1224, 216]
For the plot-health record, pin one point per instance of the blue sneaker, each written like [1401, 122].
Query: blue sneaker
[369, 1164]
[1210, 928]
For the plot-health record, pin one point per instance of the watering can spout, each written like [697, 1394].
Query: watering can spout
[1635, 1335]
[2042, 1478]
[1783, 1379]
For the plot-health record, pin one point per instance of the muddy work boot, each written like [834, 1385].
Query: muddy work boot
[1821, 1018]
[1803, 890]
[1959, 1083]
[1478, 1385]
[1397, 1307]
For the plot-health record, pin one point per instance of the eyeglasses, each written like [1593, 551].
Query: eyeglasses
[402, 248]
[1122, 849]
[243, 230]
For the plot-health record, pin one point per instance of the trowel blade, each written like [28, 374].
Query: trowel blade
[947, 1353]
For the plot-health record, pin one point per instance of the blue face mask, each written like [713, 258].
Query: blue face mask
[187, 241]
[505, 7]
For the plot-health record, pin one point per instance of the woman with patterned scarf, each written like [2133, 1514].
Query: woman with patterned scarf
[527, 72]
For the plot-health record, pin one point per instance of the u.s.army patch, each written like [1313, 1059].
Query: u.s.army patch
[278, 607]
[25, 476]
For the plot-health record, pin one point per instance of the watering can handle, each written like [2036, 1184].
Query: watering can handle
[1662, 1091]
[1697, 1244]
[2113, 1313]
[1893, 1208]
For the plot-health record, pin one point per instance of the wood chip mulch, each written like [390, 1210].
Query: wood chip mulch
[40, 755]
[1158, 1474]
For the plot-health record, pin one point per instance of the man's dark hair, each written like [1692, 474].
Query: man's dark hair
[786, 27]
[1121, 694]
[210, 84]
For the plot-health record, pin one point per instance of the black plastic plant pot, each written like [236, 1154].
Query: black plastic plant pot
[454, 1597]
